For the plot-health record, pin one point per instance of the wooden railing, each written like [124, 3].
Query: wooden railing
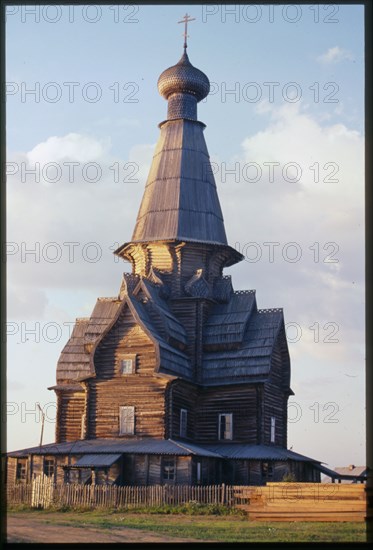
[273, 502]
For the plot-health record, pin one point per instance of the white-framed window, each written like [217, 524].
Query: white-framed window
[183, 422]
[127, 364]
[126, 420]
[273, 429]
[168, 469]
[225, 430]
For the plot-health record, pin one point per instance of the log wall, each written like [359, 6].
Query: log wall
[240, 400]
[181, 395]
[70, 410]
[275, 399]
[111, 389]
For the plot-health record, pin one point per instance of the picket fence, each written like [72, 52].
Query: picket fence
[42, 493]
[273, 502]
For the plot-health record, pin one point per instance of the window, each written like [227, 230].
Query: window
[21, 469]
[168, 473]
[183, 422]
[127, 364]
[273, 429]
[49, 467]
[82, 426]
[199, 472]
[126, 420]
[225, 426]
[267, 470]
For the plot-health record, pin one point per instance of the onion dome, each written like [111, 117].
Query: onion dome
[183, 78]
[183, 86]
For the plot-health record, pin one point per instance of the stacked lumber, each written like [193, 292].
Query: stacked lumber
[305, 502]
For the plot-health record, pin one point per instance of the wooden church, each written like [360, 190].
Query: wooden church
[179, 378]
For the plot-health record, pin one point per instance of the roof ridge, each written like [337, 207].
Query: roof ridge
[181, 446]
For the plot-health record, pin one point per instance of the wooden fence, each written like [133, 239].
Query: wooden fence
[273, 502]
[42, 495]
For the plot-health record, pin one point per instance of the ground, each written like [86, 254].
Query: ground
[105, 526]
[23, 528]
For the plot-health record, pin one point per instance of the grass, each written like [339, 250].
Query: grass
[216, 527]
[190, 508]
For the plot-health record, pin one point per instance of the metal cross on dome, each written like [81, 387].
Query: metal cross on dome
[186, 19]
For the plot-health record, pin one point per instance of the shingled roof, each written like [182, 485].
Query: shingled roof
[153, 314]
[74, 361]
[227, 321]
[172, 360]
[246, 336]
[252, 359]
[180, 201]
[102, 447]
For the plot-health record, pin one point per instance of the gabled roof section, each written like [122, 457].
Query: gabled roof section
[238, 339]
[227, 322]
[150, 311]
[158, 309]
[102, 314]
[172, 362]
[251, 362]
[351, 470]
[180, 201]
[74, 361]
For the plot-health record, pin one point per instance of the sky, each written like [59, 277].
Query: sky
[285, 132]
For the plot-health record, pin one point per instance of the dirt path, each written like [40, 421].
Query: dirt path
[23, 528]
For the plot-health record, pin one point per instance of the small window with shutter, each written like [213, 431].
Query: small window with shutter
[126, 420]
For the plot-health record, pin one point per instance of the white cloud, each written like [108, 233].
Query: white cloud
[74, 147]
[335, 55]
[42, 212]
[324, 218]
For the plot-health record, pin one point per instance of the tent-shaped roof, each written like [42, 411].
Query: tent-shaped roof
[180, 200]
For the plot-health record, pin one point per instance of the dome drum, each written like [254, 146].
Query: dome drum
[182, 106]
